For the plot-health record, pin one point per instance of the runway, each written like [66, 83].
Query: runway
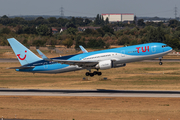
[8, 60]
[153, 60]
[89, 93]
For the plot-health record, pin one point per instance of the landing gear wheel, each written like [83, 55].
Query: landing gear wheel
[95, 72]
[99, 73]
[87, 74]
[91, 74]
[160, 63]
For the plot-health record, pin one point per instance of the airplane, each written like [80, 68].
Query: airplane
[98, 60]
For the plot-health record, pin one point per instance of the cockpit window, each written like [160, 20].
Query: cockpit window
[164, 46]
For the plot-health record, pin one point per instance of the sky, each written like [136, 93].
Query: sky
[90, 8]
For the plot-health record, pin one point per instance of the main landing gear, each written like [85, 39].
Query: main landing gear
[160, 63]
[92, 74]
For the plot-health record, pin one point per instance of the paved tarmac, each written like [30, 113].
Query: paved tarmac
[88, 93]
[8, 60]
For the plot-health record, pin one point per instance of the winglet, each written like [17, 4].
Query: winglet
[83, 49]
[41, 54]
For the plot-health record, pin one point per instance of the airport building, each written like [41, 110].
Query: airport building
[119, 17]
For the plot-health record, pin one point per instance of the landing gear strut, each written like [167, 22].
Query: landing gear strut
[92, 74]
[160, 63]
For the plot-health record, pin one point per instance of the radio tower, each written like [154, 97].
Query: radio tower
[62, 12]
[175, 12]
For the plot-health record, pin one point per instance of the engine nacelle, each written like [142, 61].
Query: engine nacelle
[106, 64]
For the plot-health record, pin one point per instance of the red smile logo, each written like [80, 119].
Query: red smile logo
[23, 57]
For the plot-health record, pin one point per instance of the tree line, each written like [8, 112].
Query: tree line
[38, 32]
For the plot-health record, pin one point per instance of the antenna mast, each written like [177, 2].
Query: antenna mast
[175, 12]
[62, 12]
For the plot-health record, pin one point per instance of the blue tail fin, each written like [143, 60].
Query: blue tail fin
[24, 55]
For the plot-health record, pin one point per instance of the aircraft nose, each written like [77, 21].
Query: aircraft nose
[169, 48]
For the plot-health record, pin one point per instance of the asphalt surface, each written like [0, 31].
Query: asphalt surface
[153, 60]
[8, 60]
[88, 93]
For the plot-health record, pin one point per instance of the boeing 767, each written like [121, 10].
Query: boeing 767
[98, 60]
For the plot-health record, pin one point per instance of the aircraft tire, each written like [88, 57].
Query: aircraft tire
[91, 74]
[99, 73]
[87, 74]
[160, 63]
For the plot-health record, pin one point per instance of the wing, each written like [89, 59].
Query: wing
[84, 64]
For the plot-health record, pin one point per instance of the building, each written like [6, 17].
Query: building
[54, 30]
[119, 17]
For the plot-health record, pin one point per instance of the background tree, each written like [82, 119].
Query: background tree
[97, 20]
[68, 42]
[107, 21]
[40, 21]
[96, 43]
[4, 20]
[156, 35]
[173, 23]
[141, 22]
[79, 41]
[87, 21]
[43, 30]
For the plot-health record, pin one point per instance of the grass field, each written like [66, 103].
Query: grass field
[138, 75]
[135, 76]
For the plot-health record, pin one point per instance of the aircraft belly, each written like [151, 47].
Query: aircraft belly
[61, 70]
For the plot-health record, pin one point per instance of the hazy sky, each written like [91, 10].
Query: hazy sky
[90, 8]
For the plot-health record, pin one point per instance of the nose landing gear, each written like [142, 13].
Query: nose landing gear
[160, 63]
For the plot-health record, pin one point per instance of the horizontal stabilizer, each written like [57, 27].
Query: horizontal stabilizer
[21, 67]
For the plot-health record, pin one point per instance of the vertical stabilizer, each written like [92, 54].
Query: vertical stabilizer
[24, 55]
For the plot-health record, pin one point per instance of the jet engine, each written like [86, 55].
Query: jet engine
[107, 64]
